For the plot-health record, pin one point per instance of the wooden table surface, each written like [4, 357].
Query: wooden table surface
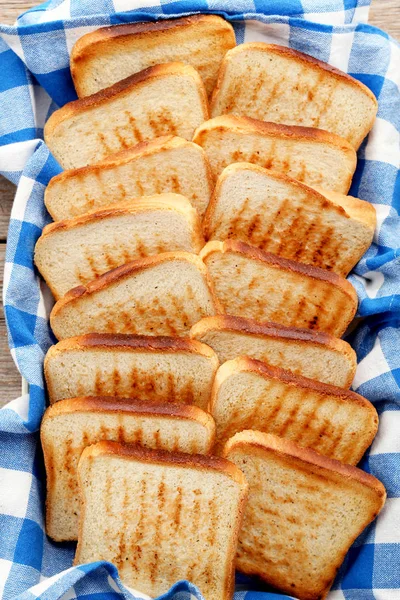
[384, 14]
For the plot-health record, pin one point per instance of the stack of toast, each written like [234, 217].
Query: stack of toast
[200, 414]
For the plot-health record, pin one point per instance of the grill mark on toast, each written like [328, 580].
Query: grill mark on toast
[175, 184]
[94, 271]
[122, 549]
[139, 435]
[122, 190]
[327, 103]
[194, 530]
[211, 539]
[290, 420]
[311, 92]
[68, 466]
[161, 501]
[157, 438]
[98, 382]
[135, 546]
[108, 487]
[116, 380]
[123, 143]
[176, 522]
[132, 122]
[175, 447]
[101, 138]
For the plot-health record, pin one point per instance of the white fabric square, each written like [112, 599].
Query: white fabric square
[361, 14]
[20, 406]
[5, 567]
[383, 143]
[372, 282]
[387, 530]
[373, 365]
[15, 487]
[14, 157]
[388, 437]
[336, 595]
[327, 18]
[59, 13]
[271, 33]
[123, 5]
[385, 595]
[393, 71]
[22, 196]
[340, 50]
[382, 212]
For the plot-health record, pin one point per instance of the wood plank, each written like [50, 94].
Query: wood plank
[7, 192]
[386, 15]
[10, 379]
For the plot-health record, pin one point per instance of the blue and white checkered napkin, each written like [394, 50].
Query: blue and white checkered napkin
[34, 78]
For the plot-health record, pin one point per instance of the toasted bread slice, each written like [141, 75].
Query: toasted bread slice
[303, 513]
[258, 285]
[165, 99]
[274, 83]
[313, 156]
[249, 394]
[166, 164]
[304, 352]
[103, 57]
[281, 215]
[71, 425]
[161, 517]
[154, 369]
[75, 251]
[158, 295]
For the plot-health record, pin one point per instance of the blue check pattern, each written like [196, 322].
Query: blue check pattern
[34, 80]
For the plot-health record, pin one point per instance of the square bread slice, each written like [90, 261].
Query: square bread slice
[75, 251]
[254, 284]
[281, 215]
[161, 517]
[103, 57]
[69, 426]
[250, 394]
[154, 369]
[161, 100]
[274, 83]
[313, 156]
[304, 352]
[163, 294]
[303, 513]
[166, 164]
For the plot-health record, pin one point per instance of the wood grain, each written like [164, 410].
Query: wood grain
[384, 14]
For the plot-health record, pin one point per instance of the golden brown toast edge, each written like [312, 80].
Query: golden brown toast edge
[124, 87]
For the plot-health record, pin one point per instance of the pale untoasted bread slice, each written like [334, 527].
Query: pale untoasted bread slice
[103, 57]
[258, 285]
[274, 83]
[161, 517]
[154, 369]
[158, 295]
[303, 513]
[304, 352]
[250, 394]
[71, 425]
[166, 164]
[161, 100]
[75, 251]
[281, 215]
[312, 156]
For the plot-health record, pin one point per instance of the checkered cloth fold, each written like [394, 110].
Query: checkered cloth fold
[34, 79]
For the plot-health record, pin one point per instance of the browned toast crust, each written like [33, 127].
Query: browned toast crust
[175, 459]
[306, 59]
[127, 270]
[123, 87]
[108, 404]
[261, 442]
[131, 343]
[164, 142]
[282, 263]
[168, 201]
[296, 132]
[250, 326]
